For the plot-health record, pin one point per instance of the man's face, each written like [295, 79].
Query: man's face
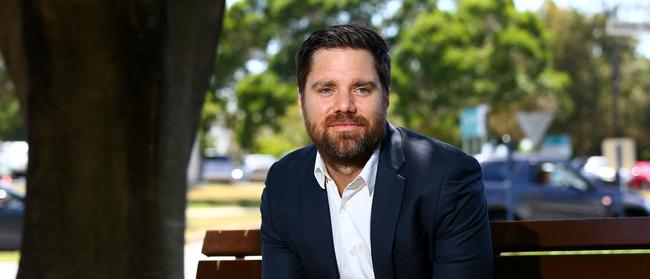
[343, 105]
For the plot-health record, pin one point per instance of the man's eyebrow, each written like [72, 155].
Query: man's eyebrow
[319, 83]
[369, 83]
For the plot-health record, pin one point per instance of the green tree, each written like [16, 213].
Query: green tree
[268, 33]
[583, 50]
[11, 121]
[483, 52]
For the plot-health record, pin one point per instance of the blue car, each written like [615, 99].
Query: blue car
[11, 219]
[547, 187]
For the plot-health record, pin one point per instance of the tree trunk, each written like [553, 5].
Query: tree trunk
[113, 104]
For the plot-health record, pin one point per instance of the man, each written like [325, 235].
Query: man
[368, 200]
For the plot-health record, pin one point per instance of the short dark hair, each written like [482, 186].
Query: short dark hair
[355, 36]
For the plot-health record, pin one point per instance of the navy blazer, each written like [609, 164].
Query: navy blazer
[428, 220]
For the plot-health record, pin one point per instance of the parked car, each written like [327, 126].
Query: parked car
[255, 167]
[13, 158]
[547, 187]
[217, 168]
[640, 175]
[11, 218]
[596, 167]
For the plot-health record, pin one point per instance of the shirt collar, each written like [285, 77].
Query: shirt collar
[368, 173]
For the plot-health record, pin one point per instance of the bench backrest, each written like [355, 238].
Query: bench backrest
[516, 247]
[237, 245]
[586, 239]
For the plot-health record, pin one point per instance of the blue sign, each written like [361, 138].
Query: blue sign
[472, 122]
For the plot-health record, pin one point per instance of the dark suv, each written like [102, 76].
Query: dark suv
[547, 187]
[11, 219]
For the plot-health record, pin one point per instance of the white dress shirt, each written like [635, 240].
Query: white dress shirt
[350, 216]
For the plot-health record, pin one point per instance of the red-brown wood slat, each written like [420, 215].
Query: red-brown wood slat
[238, 243]
[561, 235]
[229, 269]
[587, 234]
[628, 266]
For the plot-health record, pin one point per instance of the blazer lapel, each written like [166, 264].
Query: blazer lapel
[316, 226]
[387, 201]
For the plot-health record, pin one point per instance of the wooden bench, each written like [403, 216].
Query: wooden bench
[517, 246]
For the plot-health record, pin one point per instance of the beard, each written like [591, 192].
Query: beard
[348, 148]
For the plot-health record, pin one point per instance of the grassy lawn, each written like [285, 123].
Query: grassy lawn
[222, 206]
[215, 195]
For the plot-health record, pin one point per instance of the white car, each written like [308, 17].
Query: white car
[255, 167]
[13, 158]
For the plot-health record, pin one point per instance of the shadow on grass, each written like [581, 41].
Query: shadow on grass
[215, 203]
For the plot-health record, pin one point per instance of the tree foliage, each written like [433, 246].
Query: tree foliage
[583, 50]
[483, 52]
[11, 122]
[267, 34]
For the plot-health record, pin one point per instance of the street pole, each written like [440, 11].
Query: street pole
[616, 81]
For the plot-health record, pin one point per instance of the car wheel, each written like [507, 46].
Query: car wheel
[633, 212]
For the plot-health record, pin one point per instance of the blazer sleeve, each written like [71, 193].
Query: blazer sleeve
[278, 261]
[462, 242]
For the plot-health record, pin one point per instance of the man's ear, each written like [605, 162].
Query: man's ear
[299, 97]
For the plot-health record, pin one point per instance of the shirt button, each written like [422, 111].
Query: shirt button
[353, 252]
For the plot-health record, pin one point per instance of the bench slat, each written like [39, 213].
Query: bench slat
[573, 266]
[237, 243]
[229, 269]
[587, 234]
[561, 235]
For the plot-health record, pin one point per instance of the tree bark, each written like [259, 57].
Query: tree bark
[113, 104]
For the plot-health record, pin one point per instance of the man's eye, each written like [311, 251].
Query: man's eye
[362, 90]
[325, 91]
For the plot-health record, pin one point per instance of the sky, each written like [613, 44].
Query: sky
[629, 10]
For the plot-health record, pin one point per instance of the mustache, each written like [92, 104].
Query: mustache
[346, 118]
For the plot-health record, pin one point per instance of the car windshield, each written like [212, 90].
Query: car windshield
[558, 175]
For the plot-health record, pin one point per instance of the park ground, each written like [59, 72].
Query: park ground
[210, 206]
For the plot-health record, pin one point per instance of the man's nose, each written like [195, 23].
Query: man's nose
[345, 103]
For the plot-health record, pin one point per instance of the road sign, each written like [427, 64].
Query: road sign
[615, 27]
[473, 122]
[534, 124]
[619, 152]
[559, 144]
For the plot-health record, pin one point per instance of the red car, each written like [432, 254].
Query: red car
[640, 175]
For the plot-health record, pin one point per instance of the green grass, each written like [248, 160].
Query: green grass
[222, 206]
[212, 195]
[9, 256]
[582, 252]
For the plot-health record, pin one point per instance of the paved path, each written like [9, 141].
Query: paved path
[193, 254]
[9, 270]
[192, 257]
